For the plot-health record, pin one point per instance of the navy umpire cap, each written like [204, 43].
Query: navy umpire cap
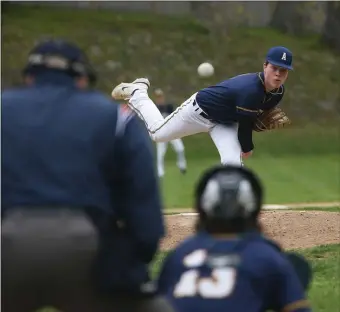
[229, 192]
[280, 56]
[60, 55]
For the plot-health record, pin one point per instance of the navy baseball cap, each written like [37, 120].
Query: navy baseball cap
[280, 56]
[59, 55]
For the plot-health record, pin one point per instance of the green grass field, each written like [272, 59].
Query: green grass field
[295, 165]
[325, 291]
[289, 179]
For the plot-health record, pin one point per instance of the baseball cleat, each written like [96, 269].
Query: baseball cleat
[183, 170]
[144, 83]
[125, 90]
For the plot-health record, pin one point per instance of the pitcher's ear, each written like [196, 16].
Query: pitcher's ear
[265, 65]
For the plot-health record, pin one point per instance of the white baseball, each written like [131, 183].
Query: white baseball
[205, 70]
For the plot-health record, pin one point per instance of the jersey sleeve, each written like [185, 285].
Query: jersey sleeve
[245, 133]
[288, 293]
[247, 112]
[247, 103]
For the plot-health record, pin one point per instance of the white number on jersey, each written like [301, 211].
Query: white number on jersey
[219, 285]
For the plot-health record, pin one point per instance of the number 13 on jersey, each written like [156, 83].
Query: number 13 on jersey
[220, 284]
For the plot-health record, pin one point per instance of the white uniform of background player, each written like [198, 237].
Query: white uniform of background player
[166, 109]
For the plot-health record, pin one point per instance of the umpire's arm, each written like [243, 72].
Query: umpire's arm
[141, 200]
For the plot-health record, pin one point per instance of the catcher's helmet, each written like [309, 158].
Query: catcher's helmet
[59, 55]
[229, 193]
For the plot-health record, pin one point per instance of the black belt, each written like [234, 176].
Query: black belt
[203, 114]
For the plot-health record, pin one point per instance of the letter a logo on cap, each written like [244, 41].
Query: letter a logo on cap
[284, 56]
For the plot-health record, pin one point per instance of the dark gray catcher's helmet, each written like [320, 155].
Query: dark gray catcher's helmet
[229, 192]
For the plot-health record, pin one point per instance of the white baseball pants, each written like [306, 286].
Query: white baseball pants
[178, 147]
[184, 121]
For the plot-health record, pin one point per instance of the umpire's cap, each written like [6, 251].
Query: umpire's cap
[229, 192]
[60, 55]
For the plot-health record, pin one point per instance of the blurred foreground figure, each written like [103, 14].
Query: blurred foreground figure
[228, 265]
[79, 192]
[166, 109]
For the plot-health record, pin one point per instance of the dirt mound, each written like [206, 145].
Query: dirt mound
[291, 229]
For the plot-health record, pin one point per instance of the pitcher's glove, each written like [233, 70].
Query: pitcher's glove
[272, 119]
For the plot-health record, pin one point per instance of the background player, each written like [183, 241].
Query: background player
[226, 111]
[166, 109]
[228, 265]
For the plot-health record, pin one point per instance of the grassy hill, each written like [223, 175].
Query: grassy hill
[168, 51]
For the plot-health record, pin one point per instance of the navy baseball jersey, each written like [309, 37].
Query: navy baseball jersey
[239, 99]
[239, 274]
[165, 109]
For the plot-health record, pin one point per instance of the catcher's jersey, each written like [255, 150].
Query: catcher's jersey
[206, 274]
[242, 95]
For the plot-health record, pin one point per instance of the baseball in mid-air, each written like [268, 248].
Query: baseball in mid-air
[205, 70]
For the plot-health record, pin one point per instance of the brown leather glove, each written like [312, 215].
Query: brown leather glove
[272, 119]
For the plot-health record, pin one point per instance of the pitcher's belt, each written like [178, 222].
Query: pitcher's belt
[203, 114]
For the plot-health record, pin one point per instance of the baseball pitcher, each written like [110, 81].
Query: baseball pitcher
[229, 111]
[166, 109]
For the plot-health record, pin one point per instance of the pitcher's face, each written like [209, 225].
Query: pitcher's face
[274, 76]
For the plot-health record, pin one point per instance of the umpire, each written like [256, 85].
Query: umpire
[81, 209]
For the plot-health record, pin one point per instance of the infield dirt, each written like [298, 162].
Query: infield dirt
[291, 229]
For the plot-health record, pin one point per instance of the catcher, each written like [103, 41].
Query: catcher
[229, 111]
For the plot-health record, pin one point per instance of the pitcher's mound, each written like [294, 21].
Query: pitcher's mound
[291, 229]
